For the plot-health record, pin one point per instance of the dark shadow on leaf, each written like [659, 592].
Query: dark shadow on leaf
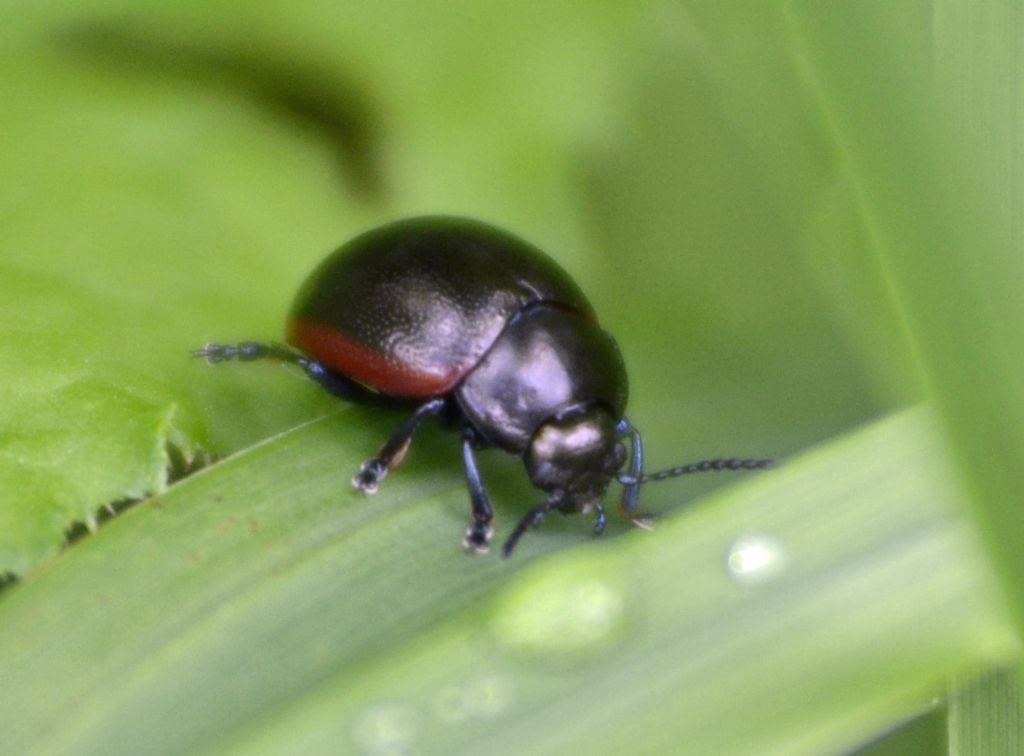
[7, 579]
[311, 96]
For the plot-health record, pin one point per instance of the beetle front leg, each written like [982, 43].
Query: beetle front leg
[600, 520]
[374, 470]
[630, 501]
[478, 535]
[532, 519]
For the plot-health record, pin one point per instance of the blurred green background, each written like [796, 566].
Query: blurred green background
[799, 219]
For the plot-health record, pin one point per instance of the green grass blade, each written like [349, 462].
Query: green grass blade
[934, 151]
[258, 606]
[987, 716]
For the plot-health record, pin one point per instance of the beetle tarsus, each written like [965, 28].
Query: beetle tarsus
[249, 351]
[368, 479]
[601, 520]
[214, 353]
[478, 538]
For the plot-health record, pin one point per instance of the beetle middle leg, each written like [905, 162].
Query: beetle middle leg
[374, 470]
[478, 534]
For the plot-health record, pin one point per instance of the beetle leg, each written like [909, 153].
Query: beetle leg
[248, 351]
[600, 521]
[478, 535]
[374, 470]
[630, 501]
[532, 519]
[631, 491]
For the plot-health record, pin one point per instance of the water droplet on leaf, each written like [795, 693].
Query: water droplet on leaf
[755, 558]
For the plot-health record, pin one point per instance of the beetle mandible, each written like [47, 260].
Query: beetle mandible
[467, 323]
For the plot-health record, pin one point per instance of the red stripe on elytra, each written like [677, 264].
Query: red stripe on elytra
[367, 366]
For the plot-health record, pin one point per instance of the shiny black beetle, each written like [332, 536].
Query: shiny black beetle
[469, 323]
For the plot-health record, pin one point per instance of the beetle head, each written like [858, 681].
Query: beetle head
[575, 456]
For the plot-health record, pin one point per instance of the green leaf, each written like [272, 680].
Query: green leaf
[107, 281]
[262, 606]
[939, 188]
[987, 715]
[766, 215]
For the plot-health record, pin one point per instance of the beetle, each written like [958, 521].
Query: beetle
[467, 323]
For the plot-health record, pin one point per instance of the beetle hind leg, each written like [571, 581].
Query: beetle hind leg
[250, 351]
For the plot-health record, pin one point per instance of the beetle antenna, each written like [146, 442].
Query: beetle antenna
[708, 465]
